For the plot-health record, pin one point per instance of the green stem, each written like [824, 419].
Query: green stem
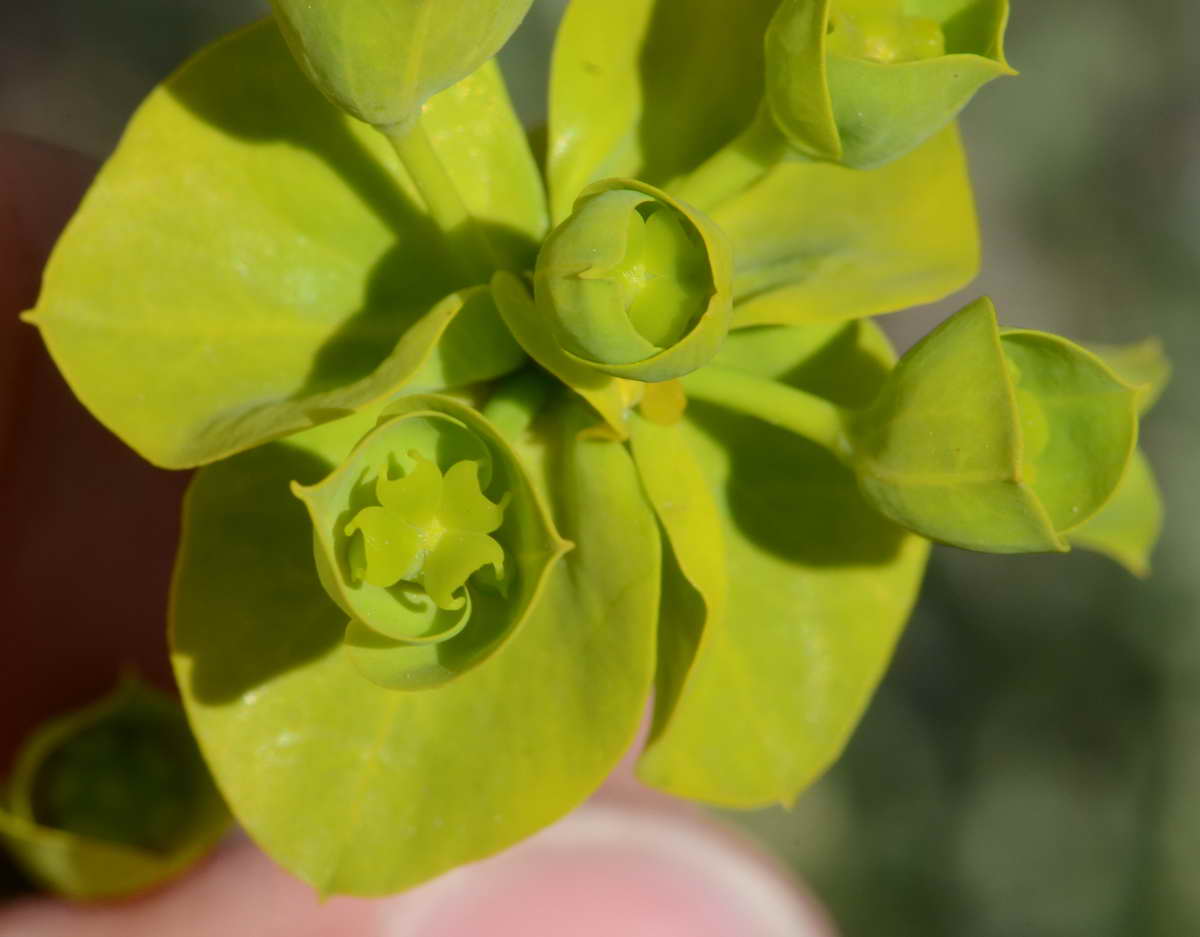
[735, 167]
[474, 251]
[796, 411]
[517, 401]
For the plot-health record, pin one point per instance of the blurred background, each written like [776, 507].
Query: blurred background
[1031, 764]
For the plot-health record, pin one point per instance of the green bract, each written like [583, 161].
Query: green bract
[1127, 528]
[998, 441]
[1002, 441]
[403, 530]
[635, 283]
[456, 379]
[113, 799]
[381, 60]
[862, 82]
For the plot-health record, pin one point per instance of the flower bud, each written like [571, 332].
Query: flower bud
[112, 799]
[992, 440]
[635, 283]
[432, 539]
[862, 82]
[381, 60]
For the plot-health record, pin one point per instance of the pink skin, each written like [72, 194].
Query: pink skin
[630, 862]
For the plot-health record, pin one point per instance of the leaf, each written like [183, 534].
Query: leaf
[649, 88]
[811, 242]
[815, 242]
[695, 585]
[482, 146]
[844, 362]
[1127, 527]
[768, 658]
[1143, 364]
[113, 799]
[250, 262]
[395, 788]
[763, 698]
[381, 60]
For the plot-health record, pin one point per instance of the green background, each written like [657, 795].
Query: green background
[1031, 763]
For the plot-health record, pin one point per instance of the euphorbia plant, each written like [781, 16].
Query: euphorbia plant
[492, 456]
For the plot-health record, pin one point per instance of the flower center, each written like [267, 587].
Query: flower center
[430, 530]
[663, 277]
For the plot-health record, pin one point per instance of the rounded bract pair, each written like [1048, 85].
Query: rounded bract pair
[431, 537]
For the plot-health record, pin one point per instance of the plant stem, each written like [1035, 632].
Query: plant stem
[473, 250]
[517, 401]
[735, 167]
[796, 411]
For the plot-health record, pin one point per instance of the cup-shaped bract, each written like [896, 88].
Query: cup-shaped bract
[635, 283]
[381, 60]
[431, 537]
[112, 799]
[862, 82]
[995, 440]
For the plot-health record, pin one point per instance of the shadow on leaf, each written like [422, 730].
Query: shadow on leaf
[792, 498]
[247, 605]
[701, 68]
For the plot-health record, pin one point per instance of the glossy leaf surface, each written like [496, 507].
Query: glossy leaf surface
[814, 242]
[113, 799]
[257, 262]
[381, 60]
[393, 787]
[1127, 527]
[760, 686]
[649, 89]
[843, 362]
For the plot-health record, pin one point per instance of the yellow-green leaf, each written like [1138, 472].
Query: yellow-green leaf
[1127, 527]
[816, 242]
[1143, 364]
[784, 591]
[648, 89]
[251, 261]
[819, 588]
[395, 788]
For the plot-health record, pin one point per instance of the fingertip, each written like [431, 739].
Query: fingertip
[615, 868]
[238, 891]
